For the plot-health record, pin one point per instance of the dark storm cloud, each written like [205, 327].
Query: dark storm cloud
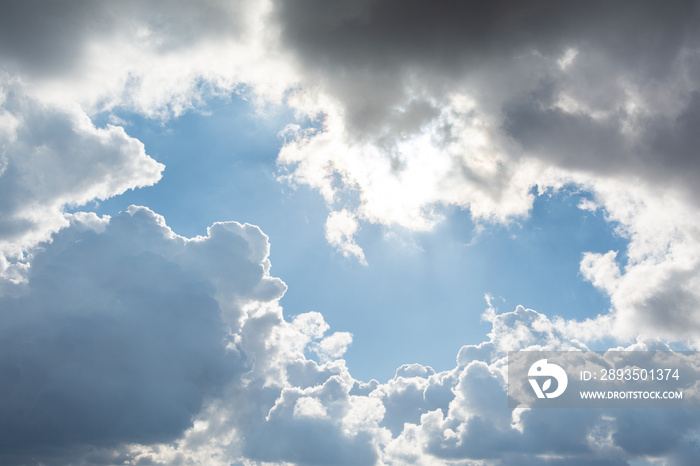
[382, 57]
[665, 151]
[575, 141]
[675, 141]
[451, 35]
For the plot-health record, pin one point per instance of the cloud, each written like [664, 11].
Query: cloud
[159, 58]
[652, 288]
[52, 158]
[456, 416]
[485, 107]
[132, 345]
[28, 26]
[340, 232]
[309, 430]
[475, 106]
[475, 425]
[124, 330]
[334, 346]
[309, 407]
[124, 343]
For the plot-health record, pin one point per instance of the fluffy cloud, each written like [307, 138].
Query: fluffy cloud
[652, 283]
[132, 345]
[53, 157]
[340, 232]
[124, 343]
[63, 63]
[475, 425]
[124, 329]
[129, 343]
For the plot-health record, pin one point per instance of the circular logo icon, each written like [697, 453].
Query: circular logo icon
[544, 372]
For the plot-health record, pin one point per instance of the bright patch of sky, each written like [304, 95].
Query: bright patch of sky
[421, 295]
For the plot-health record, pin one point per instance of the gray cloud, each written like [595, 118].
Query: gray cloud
[374, 55]
[119, 336]
[313, 438]
[448, 35]
[477, 425]
[49, 39]
[126, 333]
[622, 106]
[662, 154]
[498, 98]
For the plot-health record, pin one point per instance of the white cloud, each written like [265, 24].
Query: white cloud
[652, 286]
[311, 324]
[63, 64]
[476, 425]
[129, 324]
[309, 407]
[53, 158]
[340, 232]
[334, 346]
[157, 58]
[601, 269]
[150, 347]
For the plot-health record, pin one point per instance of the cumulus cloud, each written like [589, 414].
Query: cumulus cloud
[473, 423]
[121, 332]
[51, 158]
[334, 346]
[131, 344]
[124, 343]
[653, 287]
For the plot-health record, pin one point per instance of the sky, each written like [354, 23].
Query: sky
[308, 232]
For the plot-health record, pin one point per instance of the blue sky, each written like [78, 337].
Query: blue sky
[286, 233]
[221, 165]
